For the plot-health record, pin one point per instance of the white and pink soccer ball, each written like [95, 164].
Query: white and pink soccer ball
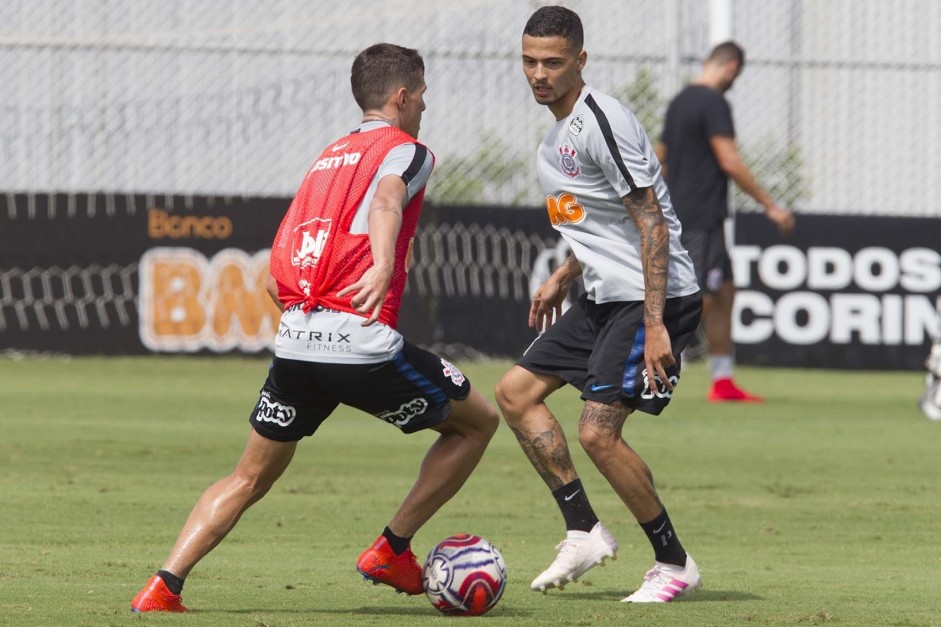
[464, 575]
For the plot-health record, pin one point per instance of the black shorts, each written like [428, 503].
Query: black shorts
[710, 257]
[413, 391]
[600, 350]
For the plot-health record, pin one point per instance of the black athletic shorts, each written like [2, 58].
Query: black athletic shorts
[600, 350]
[413, 391]
[710, 257]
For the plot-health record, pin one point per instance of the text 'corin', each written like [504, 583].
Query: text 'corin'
[844, 300]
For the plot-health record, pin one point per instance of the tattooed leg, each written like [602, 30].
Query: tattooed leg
[521, 395]
[599, 433]
[547, 451]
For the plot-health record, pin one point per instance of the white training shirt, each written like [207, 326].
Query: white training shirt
[325, 335]
[586, 163]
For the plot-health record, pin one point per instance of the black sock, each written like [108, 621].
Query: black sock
[174, 583]
[666, 546]
[397, 543]
[576, 510]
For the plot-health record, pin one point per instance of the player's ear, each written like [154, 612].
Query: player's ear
[582, 59]
[401, 97]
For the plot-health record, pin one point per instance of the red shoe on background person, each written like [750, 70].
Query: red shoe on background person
[724, 390]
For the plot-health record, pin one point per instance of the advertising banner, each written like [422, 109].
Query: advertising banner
[853, 292]
[137, 273]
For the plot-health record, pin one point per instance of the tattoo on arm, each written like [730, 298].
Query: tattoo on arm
[549, 454]
[568, 270]
[571, 265]
[644, 209]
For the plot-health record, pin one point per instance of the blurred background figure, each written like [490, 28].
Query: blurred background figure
[698, 154]
[930, 402]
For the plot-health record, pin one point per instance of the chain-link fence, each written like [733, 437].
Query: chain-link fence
[837, 109]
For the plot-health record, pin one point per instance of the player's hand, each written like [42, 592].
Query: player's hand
[546, 307]
[370, 293]
[782, 217]
[658, 355]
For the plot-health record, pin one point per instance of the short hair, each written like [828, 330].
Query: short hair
[556, 21]
[382, 68]
[727, 51]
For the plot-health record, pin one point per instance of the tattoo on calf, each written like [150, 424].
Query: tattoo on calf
[549, 454]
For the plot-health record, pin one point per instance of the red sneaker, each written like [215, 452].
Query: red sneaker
[725, 390]
[156, 597]
[380, 565]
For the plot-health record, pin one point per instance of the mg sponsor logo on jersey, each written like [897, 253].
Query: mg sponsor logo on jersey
[273, 411]
[450, 370]
[568, 161]
[401, 416]
[309, 241]
[564, 209]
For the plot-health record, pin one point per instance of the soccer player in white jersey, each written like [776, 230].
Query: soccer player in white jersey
[620, 343]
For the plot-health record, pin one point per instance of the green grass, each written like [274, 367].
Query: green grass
[820, 506]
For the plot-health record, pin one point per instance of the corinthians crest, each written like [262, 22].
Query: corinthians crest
[567, 160]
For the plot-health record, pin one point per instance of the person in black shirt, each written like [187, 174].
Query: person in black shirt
[698, 155]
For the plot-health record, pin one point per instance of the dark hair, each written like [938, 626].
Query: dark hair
[556, 21]
[380, 69]
[726, 52]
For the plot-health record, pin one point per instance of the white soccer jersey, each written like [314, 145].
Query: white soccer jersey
[586, 163]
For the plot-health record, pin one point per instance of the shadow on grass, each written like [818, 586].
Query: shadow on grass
[700, 596]
[366, 611]
[380, 611]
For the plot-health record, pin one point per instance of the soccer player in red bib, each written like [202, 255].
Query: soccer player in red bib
[338, 269]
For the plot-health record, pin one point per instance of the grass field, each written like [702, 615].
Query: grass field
[820, 506]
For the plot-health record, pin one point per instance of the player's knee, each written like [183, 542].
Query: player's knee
[503, 396]
[598, 445]
[474, 417]
[489, 421]
[486, 420]
[510, 398]
[252, 487]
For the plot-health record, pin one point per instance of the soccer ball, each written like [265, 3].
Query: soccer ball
[464, 575]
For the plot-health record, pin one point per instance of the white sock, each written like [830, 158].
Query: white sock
[721, 366]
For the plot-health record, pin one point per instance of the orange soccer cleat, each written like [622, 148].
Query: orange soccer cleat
[725, 390]
[380, 565]
[156, 597]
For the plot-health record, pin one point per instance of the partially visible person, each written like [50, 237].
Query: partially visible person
[698, 155]
[930, 401]
[338, 270]
[620, 343]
